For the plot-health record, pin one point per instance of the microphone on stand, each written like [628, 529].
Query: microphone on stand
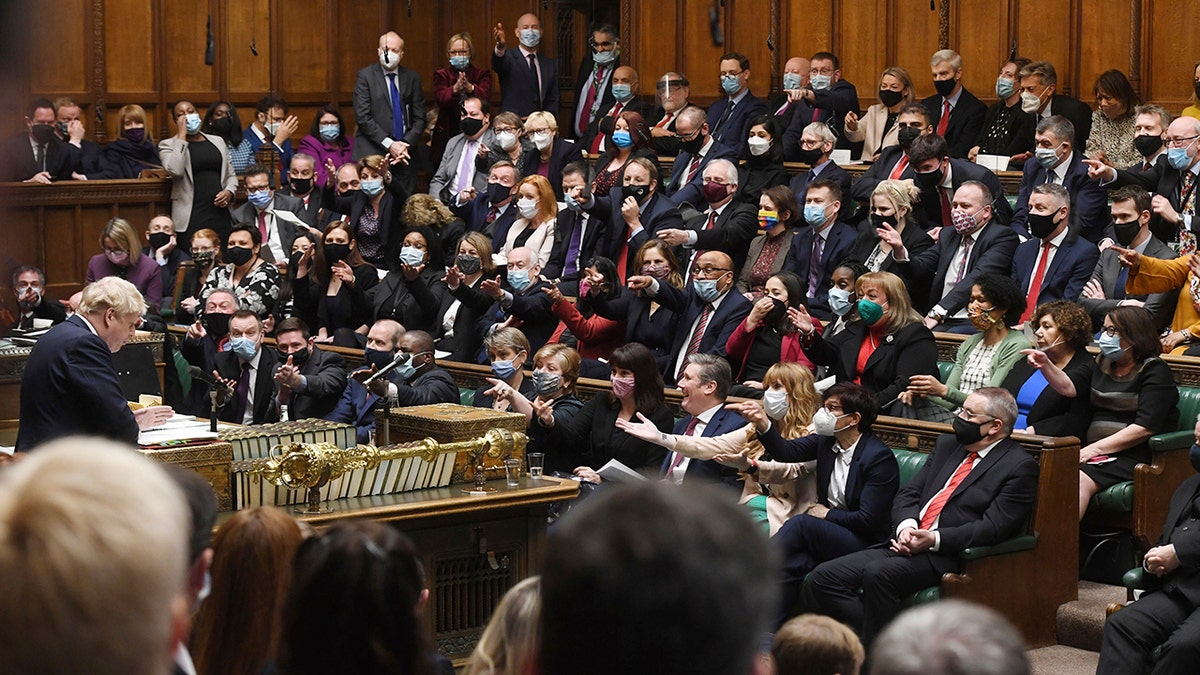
[401, 357]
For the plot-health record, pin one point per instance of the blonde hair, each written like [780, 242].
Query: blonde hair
[424, 209]
[483, 246]
[541, 116]
[905, 79]
[507, 338]
[375, 163]
[902, 194]
[547, 204]
[93, 571]
[568, 362]
[510, 642]
[465, 37]
[803, 400]
[120, 231]
[817, 645]
[900, 310]
[113, 293]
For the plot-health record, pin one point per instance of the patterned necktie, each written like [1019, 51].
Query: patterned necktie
[697, 337]
[589, 101]
[708, 225]
[397, 109]
[814, 264]
[939, 500]
[1187, 204]
[962, 262]
[693, 168]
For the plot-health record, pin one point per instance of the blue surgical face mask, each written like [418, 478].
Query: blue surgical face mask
[504, 369]
[605, 58]
[412, 256]
[193, 123]
[622, 92]
[519, 279]
[459, 62]
[530, 37]
[243, 347]
[820, 82]
[406, 370]
[839, 301]
[1178, 157]
[814, 214]
[571, 203]
[259, 198]
[792, 80]
[371, 186]
[330, 132]
[731, 84]
[706, 289]
[1047, 157]
[1005, 87]
[622, 139]
[1110, 346]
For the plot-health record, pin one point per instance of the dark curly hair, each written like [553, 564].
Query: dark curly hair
[1074, 324]
[1003, 292]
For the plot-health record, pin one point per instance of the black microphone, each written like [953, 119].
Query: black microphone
[197, 373]
[387, 57]
[401, 357]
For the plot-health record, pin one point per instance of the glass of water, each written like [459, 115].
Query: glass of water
[512, 472]
[536, 462]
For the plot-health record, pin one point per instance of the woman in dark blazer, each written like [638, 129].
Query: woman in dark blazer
[406, 294]
[647, 322]
[374, 210]
[333, 284]
[891, 206]
[460, 302]
[1063, 330]
[883, 350]
[550, 151]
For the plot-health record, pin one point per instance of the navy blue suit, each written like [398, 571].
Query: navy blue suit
[992, 253]
[1089, 201]
[806, 541]
[691, 192]
[357, 407]
[70, 387]
[699, 471]
[474, 216]
[659, 214]
[732, 131]
[1067, 273]
[595, 233]
[838, 244]
[656, 331]
[829, 106]
[879, 171]
[532, 307]
[687, 305]
[962, 171]
[519, 91]
[831, 172]
[731, 233]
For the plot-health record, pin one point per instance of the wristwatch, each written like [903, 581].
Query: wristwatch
[753, 468]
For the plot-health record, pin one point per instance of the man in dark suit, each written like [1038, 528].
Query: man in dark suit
[730, 114]
[939, 176]
[672, 92]
[1173, 184]
[824, 241]
[492, 211]
[417, 381]
[893, 161]
[205, 338]
[708, 311]
[247, 372]
[828, 98]
[631, 214]
[528, 80]
[1165, 616]
[1106, 289]
[857, 479]
[37, 155]
[788, 102]
[593, 83]
[309, 381]
[272, 124]
[1057, 161]
[69, 385]
[357, 405]
[976, 489]
[625, 99]
[1056, 263]
[814, 147]
[1040, 97]
[457, 170]
[29, 286]
[727, 225]
[163, 249]
[958, 113]
[89, 164]
[973, 246]
[577, 233]
[273, 214]
[522, 300]
[302, 187]
[697, 148]
[389, 109]
[704, 384]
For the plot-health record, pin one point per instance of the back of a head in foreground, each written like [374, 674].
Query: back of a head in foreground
[678, 578]
[93, 556]
[811, 644]
[510, 642]
[951, 637]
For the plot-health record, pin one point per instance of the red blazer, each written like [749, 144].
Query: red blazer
[597, 336]
[737, 348]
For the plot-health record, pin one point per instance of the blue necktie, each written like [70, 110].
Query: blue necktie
[397, 109]
[1122, 279]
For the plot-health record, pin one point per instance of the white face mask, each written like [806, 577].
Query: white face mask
[775, 402]
[541, 140]
[1030, 102]
[759, 145]
[527, 207]
[825, 422]
[388, 60]
[507, 140]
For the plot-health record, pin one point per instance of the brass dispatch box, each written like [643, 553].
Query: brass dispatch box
[210, 460]
[449, 422]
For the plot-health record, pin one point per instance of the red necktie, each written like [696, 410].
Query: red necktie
[692, 169]
[939, 500]
[262, 225]
[585, 118]
[900, 166]
[678, 458]
[1035, 286]
[667, 117]
[945, 120]
[697, 336]
[947, 219]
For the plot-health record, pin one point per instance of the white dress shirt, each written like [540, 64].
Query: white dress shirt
[676, 476]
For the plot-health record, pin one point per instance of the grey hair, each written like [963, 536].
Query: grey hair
[1000, 404]
[1164, 116]
[1059, 193]
[821, 131]
[957, 638]
[946, 56]
[731, 172]
[713, 368]
[1060, 127]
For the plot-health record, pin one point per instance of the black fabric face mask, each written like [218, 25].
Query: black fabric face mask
[638, 192]
[906, 136]
[967, 432]
[1147, 145]
[159, 240]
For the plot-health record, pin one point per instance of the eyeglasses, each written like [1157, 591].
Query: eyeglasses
[967, 414]
[688, 137]
[1180, 142]
[1111, 331]
[834, 408]
[809, 144]
[500, 130]
[671, 83]
[731, 73]
[710, 272]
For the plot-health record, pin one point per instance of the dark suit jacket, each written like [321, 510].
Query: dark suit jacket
[1108, 270]
[532, 307]
[993, 502]
[18, 162]
[992, 253]
[1021, 137]
[583, 82]
[354, 202]
[69, 386]
[833, 172]
[700, 471]
[659, 213]
[562, 153]
[900, 355]
[916, 241]
[357, 407]
[1178, 530]
[591, 438]
[431, 385]
[962, 171]
[1089, 201]
[246, 213]
[1078, 112]
[1053, 414]
[731, 233]
[966, 119]
[595, 233]
[373, 114]
[90, 162]
[229, 366]
[325, 373]
[879, 171]
[310, 214]
[474, 216]
[518, 86]
[838, 244]
[871, 484]
[733, 131]
[1067, 273]
[691, 192]
[412, 303]
[1161, 179]
[830, 107]
[656, 331]
[688, 306]
[465, 343]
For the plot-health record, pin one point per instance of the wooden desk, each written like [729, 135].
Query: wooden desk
[474, 548]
